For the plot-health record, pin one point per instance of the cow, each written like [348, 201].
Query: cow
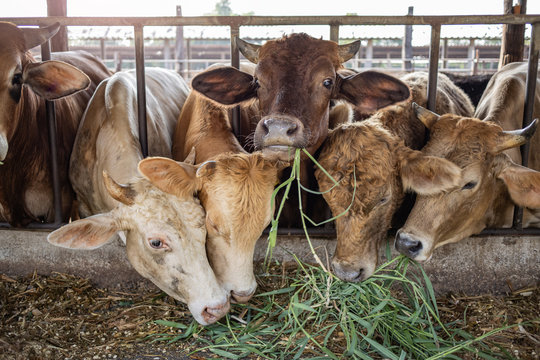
[235, 190]
[162, 222]
[295, 79]
[26, 193]
[378, 160]
[473, 85]
[485, 147]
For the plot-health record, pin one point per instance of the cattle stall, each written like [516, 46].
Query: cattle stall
[521, 239]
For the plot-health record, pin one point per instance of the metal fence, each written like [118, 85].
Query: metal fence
[334, 22]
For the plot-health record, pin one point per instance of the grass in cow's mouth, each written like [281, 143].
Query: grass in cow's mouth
[312, 314]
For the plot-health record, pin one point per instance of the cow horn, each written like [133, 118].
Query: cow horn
[428, 118]
[514, 138]
[250, 51]
[123, 193]
[347, 51]
[37, 36]
[190, 159]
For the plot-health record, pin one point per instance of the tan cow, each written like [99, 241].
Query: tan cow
[163, 222]
[488, 156]
[378, 154]
[235, 190]
[26, 191]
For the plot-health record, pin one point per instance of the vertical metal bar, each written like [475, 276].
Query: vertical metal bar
[53, 148]
[141, 89]
[235, 62]
[334, 33]
[534, 49]
[434, 48]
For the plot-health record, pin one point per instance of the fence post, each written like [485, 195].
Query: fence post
[141, 89]
[434, 48]
[407, 50]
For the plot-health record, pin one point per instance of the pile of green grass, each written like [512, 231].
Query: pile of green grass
[309, 313]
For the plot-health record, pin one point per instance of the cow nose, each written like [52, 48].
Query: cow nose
[241, 297]
[407, 244]
[347, 272]
[213, 314]
[279, 131]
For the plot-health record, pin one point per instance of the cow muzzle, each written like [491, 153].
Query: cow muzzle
[408, 245]
[351, 272]
[241, 297]
[212, 314]
[279, 136]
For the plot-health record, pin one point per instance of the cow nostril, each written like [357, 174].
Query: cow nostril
[265, 125]
[292, 129]
[359, 277]
[241, 297]
[407, 245]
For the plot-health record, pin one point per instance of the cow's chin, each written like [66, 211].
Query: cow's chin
[279, 152]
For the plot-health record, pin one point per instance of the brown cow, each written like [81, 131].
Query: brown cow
[380, 153]
[235, 190]
[294, 81]
[492, 179]
[25, 176]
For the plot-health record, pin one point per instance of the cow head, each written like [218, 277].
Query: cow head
[490, 181]
[376, 168]
[235, 190]
[294, 81]
[165, 235]
[20, 75]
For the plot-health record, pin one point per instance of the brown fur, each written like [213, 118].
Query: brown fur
[28, 140]
[380, 148]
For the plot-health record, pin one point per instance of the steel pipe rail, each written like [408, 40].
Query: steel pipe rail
[334, 22]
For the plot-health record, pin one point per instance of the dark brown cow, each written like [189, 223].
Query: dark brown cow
[25, 177]
[487, 152]
[380, 153]
[294, 80]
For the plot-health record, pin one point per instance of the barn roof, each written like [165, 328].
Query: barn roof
[421, 33]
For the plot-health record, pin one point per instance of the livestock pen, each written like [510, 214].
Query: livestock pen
[509, 257]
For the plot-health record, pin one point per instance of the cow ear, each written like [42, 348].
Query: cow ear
[172, 177]
[87, 234]
[369, 91]
[523, 185]
[428, 175]
[54, 79]
[206, 169]
[225, 85]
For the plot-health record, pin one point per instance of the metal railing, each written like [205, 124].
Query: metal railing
[334, 22]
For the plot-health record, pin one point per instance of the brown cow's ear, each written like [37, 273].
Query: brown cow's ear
[54, 79]
[206, 169]
[172, 177]
[225, 85]
[428, 175]
[523, 184]
[369, 91]
[89, 233]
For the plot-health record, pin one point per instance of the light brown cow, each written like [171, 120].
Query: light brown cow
[163, 222]
[235, 190]
[492, 179]
[380, 153]
[25, 177]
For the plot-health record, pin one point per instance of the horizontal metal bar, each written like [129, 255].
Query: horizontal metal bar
[275, 20]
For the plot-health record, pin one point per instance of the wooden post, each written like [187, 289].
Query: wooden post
[179, 53]
[512, 37]
[59, 42]
[406, 50]
[471, 54]
[444, 54]
[369, 54]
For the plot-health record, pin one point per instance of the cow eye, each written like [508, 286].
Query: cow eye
[157, 243]
[17, 79]
[469, 185]
[327, 83]
[256, 83]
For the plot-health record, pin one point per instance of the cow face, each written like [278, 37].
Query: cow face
[236, 194]
[20, 74]
[165, 236]
[294, 81]
[375, 166]
[489, 183]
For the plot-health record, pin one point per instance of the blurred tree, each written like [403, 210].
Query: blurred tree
[223, 8]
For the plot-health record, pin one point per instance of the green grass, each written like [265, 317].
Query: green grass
[309, 313]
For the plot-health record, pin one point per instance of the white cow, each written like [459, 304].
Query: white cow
[165, 229]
